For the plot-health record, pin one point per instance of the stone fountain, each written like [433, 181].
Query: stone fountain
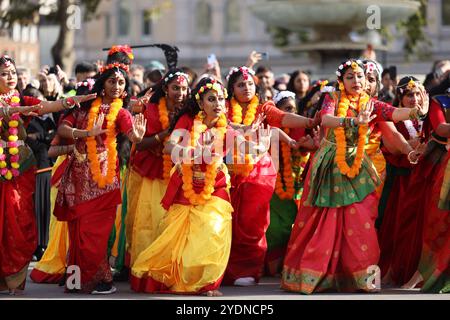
[331, 22]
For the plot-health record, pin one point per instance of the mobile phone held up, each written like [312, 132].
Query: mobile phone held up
[264, 55]
[212, 59]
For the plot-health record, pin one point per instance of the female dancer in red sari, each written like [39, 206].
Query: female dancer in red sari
[90, 192]
[399, 167]
[18, 234]
[333, 241]
[427, 230]
[253, 185]
[434, 264]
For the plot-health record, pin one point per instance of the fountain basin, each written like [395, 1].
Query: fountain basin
[295, 15]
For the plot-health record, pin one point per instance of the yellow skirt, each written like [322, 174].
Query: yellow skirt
[52, 265]
[144, 212]
[375, 154]
[192, 250]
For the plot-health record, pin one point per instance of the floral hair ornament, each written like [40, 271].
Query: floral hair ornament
[125, 49]
[181, 77]
[350, 63]
[328, 89]
[89, 83]
[408, 86]
[213, 85]
[245, 72]
[7, 59]
[283, 95]
[372, 66]
[115, 65]
[323, 84]
[411, 84]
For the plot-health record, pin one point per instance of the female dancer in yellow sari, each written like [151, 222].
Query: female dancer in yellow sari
[191, 253]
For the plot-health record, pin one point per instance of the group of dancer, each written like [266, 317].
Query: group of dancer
[200, 202]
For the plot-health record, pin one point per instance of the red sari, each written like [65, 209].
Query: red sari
[149, 163]
[18, 231]
[333, 241]
[89, 210]
[250, 197]
[413, 206]
[434, 264]
[395, 193]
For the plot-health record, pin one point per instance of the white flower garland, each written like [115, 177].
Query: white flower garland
[413, 133]
[282, 95]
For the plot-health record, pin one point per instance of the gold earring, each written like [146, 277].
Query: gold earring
[341, 86]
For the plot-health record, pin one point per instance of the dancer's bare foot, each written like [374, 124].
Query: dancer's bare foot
[415, 280]
[214, 293]
[15, 292]
[245, 282]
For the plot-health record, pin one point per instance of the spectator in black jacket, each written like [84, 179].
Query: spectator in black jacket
[41, 132]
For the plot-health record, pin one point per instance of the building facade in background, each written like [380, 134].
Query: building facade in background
[228, 29]
[22, 44]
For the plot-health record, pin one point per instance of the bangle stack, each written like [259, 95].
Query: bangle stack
[73, 134]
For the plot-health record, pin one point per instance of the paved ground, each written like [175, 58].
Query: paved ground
[268, 289]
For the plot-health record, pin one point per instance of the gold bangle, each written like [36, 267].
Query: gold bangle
[409, 158]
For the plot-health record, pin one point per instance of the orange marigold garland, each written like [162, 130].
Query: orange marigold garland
[110, 143]
[211, 169]
[164, 120]
[341, 148]
[288, 190]
[250, 115]
[236, 117]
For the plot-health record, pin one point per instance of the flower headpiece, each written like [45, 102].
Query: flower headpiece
[245, 72]
[410, 85]
[181, 77]
[323, 84]
[354, 64]
[282, 95]
[87, 83]
[115, 65]
[7, 60]
[328, 89]
[213, 85]
[125, 49]
[372, 66]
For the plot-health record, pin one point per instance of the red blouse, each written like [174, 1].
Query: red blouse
[400, 160]
[437, 117]
[175, 193]
[149, 163]
[383, 110]
[77, 189]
